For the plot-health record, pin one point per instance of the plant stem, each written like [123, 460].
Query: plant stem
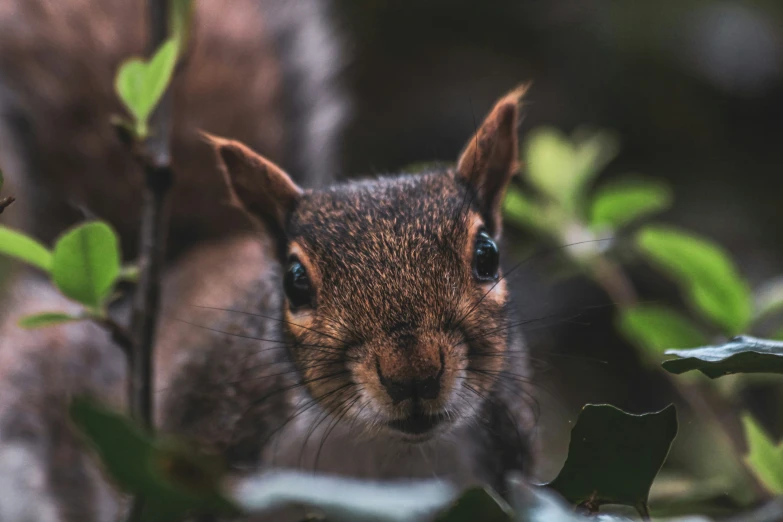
[118, 334]
[614, 282]
[155, 158]
[6, 202]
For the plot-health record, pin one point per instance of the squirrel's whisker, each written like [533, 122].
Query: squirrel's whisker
[323, 415]
[301, 410]
[338, 418]
[271, 318]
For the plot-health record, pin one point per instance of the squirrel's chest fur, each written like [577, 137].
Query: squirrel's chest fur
[317, 442]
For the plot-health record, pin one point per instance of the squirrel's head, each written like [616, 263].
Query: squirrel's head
[395, 308]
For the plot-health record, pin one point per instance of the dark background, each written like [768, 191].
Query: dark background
[693, 88]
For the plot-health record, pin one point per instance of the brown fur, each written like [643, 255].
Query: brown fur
[486, 159]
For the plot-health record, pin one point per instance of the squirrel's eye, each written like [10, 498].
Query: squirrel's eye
[486, 259]
[297, 285]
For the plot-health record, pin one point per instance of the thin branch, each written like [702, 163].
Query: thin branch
[119, 334]
[614, 282]
[154, 157]
[6, 202]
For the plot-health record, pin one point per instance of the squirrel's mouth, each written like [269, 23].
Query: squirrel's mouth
[418, 426]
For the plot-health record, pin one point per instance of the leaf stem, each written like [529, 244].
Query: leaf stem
[153, 154]
[119, 334]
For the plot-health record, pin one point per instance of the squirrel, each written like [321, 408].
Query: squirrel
[368, 335]
[359, 328]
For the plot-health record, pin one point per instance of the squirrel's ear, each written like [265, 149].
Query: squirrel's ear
[256, 185]
[490, 157]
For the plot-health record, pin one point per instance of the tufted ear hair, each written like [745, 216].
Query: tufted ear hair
[490, 157]
[256, 185]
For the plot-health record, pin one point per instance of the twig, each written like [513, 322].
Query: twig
[119, 334]
[614, 282]
[155, 159]
[6, 202]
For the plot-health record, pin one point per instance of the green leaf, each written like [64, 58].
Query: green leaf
[764, 458]
[141, 83]
[86, 263]
[658, 328]
[522, 211]
[742, 354]
[24, 248]
[705, 272]
[172, 481]
[613, 456]
[344, 499]
[48, 319]
[618, 204]
[478, 504]
[561, 168]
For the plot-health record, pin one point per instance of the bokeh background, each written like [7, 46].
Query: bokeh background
[693, 89]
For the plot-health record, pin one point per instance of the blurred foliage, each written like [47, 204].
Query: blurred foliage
[141, 83]
[86, 263]
[616, 205]
[19, 246]
[764, 457]
[563, 209]
[84, 266]
[606, 229]
[704, 271]
[173, 480]
[42, 319]
[657, 328]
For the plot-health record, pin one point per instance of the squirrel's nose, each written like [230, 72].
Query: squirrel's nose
[416, 389]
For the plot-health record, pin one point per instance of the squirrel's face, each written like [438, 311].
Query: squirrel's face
[394, 299]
